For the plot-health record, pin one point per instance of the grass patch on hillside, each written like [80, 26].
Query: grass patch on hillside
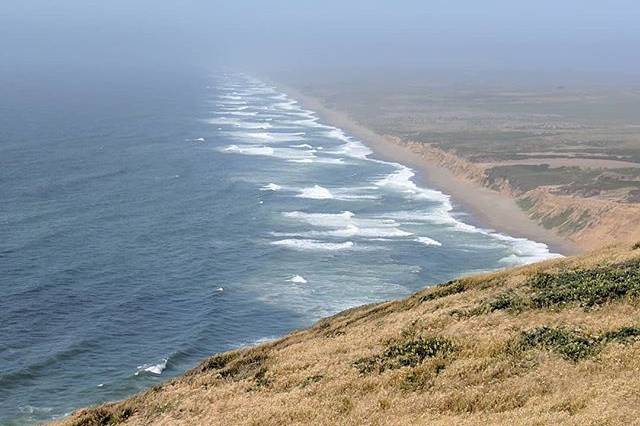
[585, 287]
[573, 345]
[216, 362]
[406, 354]
[104, 416]
[444, 290]
[235, 366]
[509, 300]
[588, 287]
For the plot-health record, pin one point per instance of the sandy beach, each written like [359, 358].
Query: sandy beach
[488, 208]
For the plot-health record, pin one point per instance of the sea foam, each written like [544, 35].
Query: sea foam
[316, 192]
[297, 279]
[313, 245]
[156, 369]
[428, 241]
[271, 187]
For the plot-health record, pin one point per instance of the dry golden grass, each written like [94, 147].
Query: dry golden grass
[489, 377]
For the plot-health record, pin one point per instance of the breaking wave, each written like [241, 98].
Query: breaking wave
[313, 245]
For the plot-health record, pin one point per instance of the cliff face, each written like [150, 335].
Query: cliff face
[551, 343]
[589, 222]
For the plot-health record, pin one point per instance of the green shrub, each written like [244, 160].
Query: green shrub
[406, 354]
[215, 362]
[588, 287]
[573, 345]
[444, 290]
[570, 344]
[507, 300]
[624, 334]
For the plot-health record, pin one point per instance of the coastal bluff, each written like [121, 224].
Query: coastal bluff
[556, 342]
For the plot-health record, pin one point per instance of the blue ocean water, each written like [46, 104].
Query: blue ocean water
[146, 226]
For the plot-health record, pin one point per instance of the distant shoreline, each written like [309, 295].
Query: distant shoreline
[488, 208]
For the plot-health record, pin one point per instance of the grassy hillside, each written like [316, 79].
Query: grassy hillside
[552, 343]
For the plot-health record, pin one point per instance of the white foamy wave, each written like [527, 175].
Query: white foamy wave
[288, 154]
[442, 216]
[343, 194]
[524, 250]
[401, 181]
[250, 150]
[271, 187]
[258, 90]
[153, 368]
[346, 225]
[313, 245]
[307, 122]
[297, 279]
[238, 113]
[328, 160]
[319, 160]
[355, 149]
[234, 108]
[287, 105]
[369, 232]
[383, 233]
[354, 193]
[316, 192]
[302, 145]
[428, 241]
[351, 148]
[409, 215]
[230, 103]
[330, 220]
[249, 125]
[267, 137]
[303, 113]
[336, 133]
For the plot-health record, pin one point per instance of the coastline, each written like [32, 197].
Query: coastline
[488, 208]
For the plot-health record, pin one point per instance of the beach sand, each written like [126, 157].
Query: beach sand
[488, 208]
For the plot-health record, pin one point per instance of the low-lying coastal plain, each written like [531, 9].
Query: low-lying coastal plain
[565, 157]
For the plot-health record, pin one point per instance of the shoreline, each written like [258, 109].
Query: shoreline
[487, 208]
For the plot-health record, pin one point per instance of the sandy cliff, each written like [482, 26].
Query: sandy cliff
[588, 222]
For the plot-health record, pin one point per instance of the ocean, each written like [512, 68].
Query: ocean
[146, 224]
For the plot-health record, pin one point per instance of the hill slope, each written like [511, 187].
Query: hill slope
[552, 343]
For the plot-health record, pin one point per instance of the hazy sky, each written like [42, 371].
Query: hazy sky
[286, 34]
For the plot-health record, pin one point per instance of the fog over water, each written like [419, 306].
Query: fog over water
[584, 37]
